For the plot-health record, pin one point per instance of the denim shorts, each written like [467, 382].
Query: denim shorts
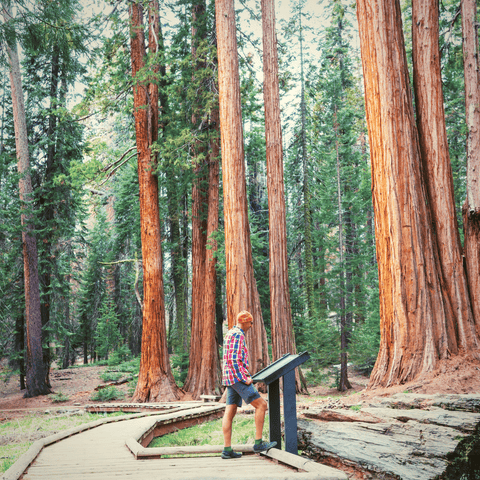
[239, 391]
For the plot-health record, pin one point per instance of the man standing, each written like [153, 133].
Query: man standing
[238, 381]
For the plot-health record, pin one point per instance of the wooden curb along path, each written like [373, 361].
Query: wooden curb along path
[115, 448]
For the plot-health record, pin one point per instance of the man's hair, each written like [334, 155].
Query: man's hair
[244, 316]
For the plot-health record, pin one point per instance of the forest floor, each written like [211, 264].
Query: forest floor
[455, 376]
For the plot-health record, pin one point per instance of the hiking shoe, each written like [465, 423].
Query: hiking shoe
[264, 446]
[226, 455]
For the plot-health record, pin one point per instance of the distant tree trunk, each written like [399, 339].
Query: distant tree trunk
[35, 369]
[471, 208]
[427, 82]
[242, 293]
[155, 380]
[414, 314]
[281, 314]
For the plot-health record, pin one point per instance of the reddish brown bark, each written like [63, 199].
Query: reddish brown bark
[242, 293]
[155, 380]
[471, 208]
[414, 314]
[438, 176]
[281, 314]
[36, 378]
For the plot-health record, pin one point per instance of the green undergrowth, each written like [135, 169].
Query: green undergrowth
[17, 435]
[210, 433]
[464, 462]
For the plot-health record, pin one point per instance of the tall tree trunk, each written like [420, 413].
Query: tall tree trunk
[35, 370]
[242, 293]
[155, 380]
[471, 208]
[48, 211]
[344, 383]
[427, 82]
[281, 314]
[413, 312]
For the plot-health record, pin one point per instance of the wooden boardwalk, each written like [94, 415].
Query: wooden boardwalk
[101, 453]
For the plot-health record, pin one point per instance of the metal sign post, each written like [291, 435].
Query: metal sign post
[283, 367]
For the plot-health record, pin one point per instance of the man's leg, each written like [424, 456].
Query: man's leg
[227, 422]
[260, 409]
[261, 406]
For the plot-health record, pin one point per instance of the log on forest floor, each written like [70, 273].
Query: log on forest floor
[407, 436]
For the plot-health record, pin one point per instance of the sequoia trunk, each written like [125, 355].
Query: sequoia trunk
[413, 313]
[155, 380]
[242, 293]
[281, 314]
[437, 170]
[471, 208]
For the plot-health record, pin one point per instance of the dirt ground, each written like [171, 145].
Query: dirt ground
[458, 375]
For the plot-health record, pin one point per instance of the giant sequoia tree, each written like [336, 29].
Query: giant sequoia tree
[242, 293]
[281, 314]
[418, 325]
[155, 379]
[471, 209]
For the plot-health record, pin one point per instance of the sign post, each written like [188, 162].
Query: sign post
[283, 367]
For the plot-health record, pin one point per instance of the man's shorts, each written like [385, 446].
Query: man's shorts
[239, 391]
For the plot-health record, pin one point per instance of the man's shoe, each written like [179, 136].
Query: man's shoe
[264, 446]
[231, 454]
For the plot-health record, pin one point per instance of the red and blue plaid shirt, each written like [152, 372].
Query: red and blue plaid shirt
[235, 357]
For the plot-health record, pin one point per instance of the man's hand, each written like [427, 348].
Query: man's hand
[249, 381]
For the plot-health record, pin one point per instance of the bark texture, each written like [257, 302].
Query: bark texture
[281, 314]
[155, 380]
[242, 293]
[414, 317]
[36, 378]
[471, 208]
[437, 172]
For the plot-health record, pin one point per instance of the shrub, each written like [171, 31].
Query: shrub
[59, 397]
[106, 394]
[109, 376]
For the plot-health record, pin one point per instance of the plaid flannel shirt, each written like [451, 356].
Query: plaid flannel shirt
[235, 357]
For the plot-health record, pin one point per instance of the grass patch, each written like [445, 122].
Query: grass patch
[210, 433]
[17, 435]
